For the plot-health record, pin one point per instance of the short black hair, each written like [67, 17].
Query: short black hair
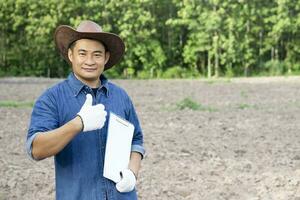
[72, 45]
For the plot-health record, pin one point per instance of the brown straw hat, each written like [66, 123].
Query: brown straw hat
[66, 35]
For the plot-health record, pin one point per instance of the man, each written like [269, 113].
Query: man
[69, 120]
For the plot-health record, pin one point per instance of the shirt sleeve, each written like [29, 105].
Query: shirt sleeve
[44, 117]
[138, 139]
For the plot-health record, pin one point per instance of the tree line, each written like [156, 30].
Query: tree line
[164, 38]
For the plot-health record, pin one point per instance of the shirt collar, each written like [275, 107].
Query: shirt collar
[77, 85]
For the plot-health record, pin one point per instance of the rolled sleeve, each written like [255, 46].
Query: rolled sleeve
[138, 138]
[138, 148]
[29, 146]
[43, 118]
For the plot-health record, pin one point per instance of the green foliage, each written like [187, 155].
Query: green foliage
[229, 72]
[243, 106]
[275, 68]
[164, 39]
[174, 72]
[179, 72]
[111, 73]
[143, 75]
[188, 103]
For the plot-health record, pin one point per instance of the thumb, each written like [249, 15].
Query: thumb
[89, 100]
[100, 106]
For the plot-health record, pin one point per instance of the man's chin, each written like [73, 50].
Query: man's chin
[91, 78]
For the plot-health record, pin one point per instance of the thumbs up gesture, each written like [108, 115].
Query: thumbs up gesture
[93, 117]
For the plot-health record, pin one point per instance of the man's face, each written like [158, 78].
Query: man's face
[88, 58]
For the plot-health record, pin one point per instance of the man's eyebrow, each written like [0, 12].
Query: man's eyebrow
[98, 51]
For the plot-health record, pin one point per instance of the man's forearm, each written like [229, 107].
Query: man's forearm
[135, 162]
[51, 142]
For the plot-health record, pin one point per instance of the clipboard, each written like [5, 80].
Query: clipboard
[118, 147]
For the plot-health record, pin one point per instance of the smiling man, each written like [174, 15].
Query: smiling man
[88, 58]
[69, 120]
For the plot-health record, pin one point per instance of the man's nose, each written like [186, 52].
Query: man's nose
[90, 60]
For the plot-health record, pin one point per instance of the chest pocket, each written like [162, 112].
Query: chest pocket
[115, 105]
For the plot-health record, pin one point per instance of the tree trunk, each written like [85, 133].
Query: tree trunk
[208, 66]
[272, 54]
[246, 70]
[288, 61]
[48, 72]
[216, 54]
[217, 64]
[202, 65]
[246, 66]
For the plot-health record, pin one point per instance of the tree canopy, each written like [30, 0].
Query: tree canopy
[164, 38]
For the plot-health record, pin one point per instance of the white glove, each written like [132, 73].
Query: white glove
[127, 182]
[93, 117]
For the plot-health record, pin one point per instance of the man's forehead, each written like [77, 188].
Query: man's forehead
[89, 44]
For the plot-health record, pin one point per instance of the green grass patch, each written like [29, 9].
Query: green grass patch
[244, 106]
[188, 103]
[16, 104]
[212, 81]
[244, 94]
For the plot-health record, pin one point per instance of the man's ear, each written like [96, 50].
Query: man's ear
[70, 55]
[107, 55]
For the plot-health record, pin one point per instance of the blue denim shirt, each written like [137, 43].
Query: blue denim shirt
[79, 166]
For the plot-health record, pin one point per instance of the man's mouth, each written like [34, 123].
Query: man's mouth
[89, 69]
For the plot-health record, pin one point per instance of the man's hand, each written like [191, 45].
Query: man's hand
[127, 182]
[93, 117]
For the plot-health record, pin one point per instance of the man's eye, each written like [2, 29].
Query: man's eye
[98, 55]
[82, 54]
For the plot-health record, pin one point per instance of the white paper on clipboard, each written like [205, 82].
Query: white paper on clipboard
[118, 147]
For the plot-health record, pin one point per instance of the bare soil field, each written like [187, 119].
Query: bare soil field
[244, 142]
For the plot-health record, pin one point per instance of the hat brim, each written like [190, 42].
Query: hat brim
[65, 35]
